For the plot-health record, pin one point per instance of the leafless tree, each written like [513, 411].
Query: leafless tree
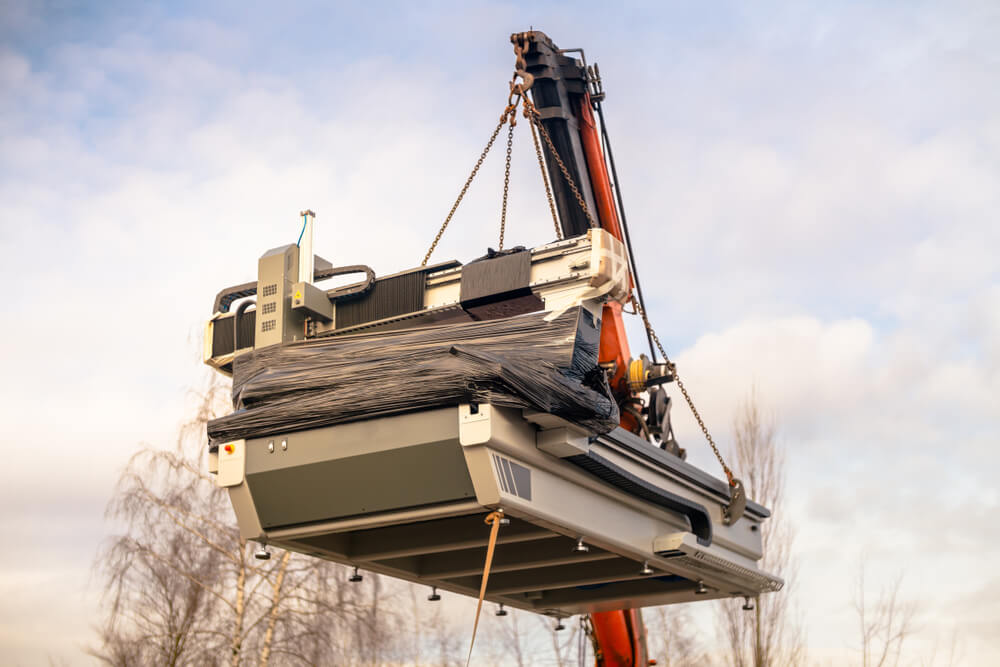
[673, 640]
[953, 656]
[517, 641]
[563, 640]
[526, 639]
[506, 640]
[885, 625]
[181, 588]
[768, 636]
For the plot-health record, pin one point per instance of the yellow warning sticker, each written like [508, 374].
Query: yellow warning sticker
[298, 295]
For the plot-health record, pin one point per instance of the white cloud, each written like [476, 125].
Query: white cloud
[813, 202]
[888, 457]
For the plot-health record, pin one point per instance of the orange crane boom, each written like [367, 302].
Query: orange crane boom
[561, 90]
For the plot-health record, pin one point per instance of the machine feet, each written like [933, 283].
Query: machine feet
[356, 577]
[580, 547]
[434, 597]
[646, 569]
[501, 611]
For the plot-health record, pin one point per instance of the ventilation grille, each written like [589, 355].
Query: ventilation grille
[269, 290]
[268, 325]
[269, 308]
[724, 569]
[514, 478]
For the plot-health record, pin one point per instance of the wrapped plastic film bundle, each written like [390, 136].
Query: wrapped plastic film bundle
[525, 361]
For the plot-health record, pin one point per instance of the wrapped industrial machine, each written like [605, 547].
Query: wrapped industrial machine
[376, 424]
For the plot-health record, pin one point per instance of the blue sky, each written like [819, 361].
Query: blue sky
[811, 188]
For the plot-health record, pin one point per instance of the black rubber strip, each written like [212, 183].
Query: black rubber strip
[600, 467]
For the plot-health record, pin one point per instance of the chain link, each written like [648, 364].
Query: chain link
[687, 397]
[545, 175]
[506, 179]
[518, 94]
[534, 120]
[532, 113]
[533, 116]
[507, 113]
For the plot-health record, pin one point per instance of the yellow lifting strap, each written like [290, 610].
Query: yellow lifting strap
[493, 519]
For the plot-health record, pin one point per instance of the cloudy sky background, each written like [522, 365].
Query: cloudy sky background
[812, 190]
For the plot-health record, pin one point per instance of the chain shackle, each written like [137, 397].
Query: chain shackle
[519, 40]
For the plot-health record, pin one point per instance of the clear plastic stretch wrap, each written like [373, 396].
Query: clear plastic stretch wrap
[526, 361]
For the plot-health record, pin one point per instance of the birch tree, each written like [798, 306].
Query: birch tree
[181, 588]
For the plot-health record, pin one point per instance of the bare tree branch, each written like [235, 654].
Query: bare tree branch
[769, 636]
[180, 588]
[884, 627]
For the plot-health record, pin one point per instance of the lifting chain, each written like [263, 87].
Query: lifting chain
[506, 178]
[545, 181]
[507, 114]
[531, 113]
[518, 95]
[738, 496]
[672, 367]
[527, 80]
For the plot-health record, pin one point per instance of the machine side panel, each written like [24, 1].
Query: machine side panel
[373, 482]
[361, 467]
